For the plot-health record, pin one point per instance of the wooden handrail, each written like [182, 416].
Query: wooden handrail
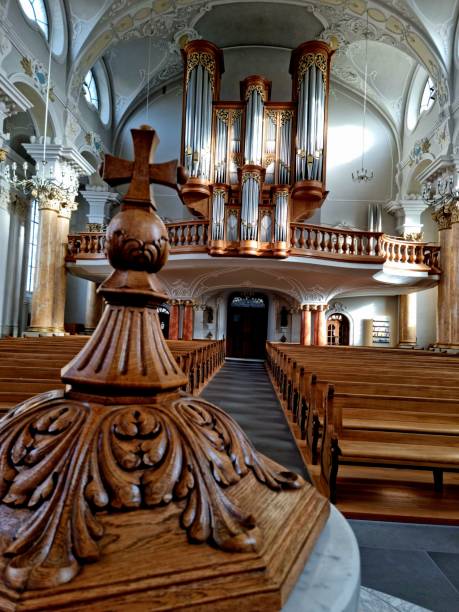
[306, 240]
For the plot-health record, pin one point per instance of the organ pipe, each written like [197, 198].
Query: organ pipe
[218, 213]
[203, 68]
[281, 216]
[310, 69]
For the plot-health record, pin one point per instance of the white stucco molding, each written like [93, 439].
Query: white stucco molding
[59, 153]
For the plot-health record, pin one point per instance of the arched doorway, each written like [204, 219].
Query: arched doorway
[338, 329]
[247, 325]
[164, 316]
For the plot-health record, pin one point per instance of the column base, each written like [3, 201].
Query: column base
[34, 332]
[9, 331]
[408, 345]
[445, 346]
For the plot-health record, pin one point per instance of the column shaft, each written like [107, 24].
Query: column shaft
[407, 320]
[187, 322]
[174, 322]
[305, 334]
[321, 322]
[94, 307]
[43, 295]
[60, 276]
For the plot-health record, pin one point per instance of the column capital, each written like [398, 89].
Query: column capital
[53, 205]
[446, 215]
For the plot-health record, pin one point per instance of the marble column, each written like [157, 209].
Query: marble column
[174, 320]
[42, 319]
[305, 333]
[447, 219]
[320, 325]
[407, 320]
[94, 306]
[188, 315]
[60, 284]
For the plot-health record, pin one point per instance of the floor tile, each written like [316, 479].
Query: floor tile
[449, 565]
[406, 536]
[409, 575]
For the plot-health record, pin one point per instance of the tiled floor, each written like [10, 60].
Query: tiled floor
[416, 563]
[375, 601]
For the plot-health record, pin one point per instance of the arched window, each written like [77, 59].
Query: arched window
[32, 247]
[90, 89]
[35, 10]
[428, 96]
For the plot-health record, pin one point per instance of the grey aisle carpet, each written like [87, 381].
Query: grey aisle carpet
[244, 391]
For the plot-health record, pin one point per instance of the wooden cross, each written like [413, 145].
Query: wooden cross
[142, 171]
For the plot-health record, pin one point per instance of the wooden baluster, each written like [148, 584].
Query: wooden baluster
[335, 242]
[329, 244]
[350, 241]
[360, 238]
[322, 241]
[315, 244]
[301, 240]
[344, 245]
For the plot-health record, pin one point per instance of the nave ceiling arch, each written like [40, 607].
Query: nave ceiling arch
[406, 31]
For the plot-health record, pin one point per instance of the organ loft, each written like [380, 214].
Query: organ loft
[254, 165]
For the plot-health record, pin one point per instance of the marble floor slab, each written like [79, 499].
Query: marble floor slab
[416, 563]
[375, 601]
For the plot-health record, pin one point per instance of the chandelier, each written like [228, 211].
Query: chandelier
[444, 192]
[58, 181]
[362, 175]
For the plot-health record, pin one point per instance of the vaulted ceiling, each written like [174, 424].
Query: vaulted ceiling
[139, 37]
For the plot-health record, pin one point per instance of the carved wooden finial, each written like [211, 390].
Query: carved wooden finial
[141, 172]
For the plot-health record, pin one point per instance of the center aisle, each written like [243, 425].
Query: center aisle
[244, 391]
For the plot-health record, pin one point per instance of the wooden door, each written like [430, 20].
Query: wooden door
[247, 326]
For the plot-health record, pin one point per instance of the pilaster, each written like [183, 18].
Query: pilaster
[99, 199]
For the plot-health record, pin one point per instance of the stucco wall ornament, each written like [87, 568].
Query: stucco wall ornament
[419, 149]
[39, 74]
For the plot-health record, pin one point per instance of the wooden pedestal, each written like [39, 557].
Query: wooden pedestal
[147, 562]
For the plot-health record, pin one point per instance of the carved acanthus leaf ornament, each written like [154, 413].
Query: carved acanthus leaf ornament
[97, 458]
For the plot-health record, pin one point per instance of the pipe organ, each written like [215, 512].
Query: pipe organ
[254, 165]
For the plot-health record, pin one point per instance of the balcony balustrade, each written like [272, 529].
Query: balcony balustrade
[306, 240]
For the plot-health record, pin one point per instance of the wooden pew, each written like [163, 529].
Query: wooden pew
[32, 365]
[375, 448]
[380, 405]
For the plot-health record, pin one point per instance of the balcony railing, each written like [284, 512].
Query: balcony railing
[306, 240]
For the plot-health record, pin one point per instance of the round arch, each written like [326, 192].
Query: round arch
[337, 308]
[26, 86]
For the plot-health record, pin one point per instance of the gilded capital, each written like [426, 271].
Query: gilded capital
[446, 215]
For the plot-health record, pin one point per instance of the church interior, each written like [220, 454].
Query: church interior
[227, 226]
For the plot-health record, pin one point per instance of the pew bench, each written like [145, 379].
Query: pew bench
[378, 447]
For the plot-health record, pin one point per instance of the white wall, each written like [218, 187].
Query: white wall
[359, 309]
[348, 201]
[426, 317]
